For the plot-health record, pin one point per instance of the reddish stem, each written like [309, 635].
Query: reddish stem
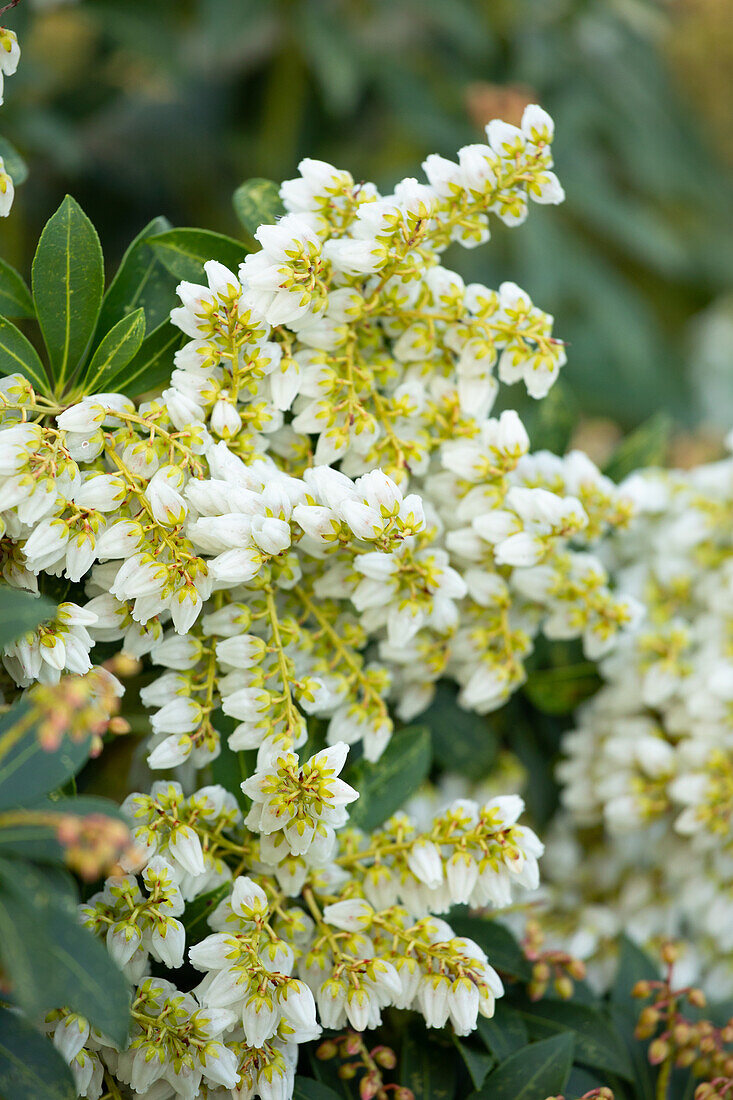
[9, 7]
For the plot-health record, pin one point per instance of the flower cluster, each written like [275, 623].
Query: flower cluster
[289, 953]
[680, 1035]
[282, 603]
[357, 1059]
[205, 511]
[650, 758]
[9, 57]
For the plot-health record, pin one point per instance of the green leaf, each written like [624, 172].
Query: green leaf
[504, 1033]
[625, 1017]
[43, 885]
[718, 1012]
[21, 611]
[30, 841]
[385, 785]
[257, 202]
[647, 446]
[118, 347]
[18, 356]
[68, 281]
[15, 297]
[141, 281]
[502, 950]
[426, 1067]
[81, 806]
[531, 735]
[597, 1042]
[185, 251]
[197, 912]
[634, 965]
[30, 1066]
[462, 740]
[560, 690]
[476, 1062]
[326, 1073]
[582, 1080]
[555, 419]
[51, 960]
[152, 366]
[27, 770]
[537, 1071]
[14, 163]
[308, 1089]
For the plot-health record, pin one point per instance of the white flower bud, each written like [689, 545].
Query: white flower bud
[351, 915]
[426, 864]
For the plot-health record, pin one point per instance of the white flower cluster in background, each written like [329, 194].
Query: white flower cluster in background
[282, 602]
[650, 759]
[9, 58]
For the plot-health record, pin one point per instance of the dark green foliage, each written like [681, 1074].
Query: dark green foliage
[383, 787]
[30, 1067]
[463, 741]
[49, 960]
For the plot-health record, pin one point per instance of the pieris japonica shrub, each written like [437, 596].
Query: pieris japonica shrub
[283, 508]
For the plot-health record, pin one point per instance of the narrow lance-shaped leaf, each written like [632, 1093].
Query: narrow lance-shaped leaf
[118, 347]
[504, 1033]
[28, 771]
[426, 1069]
[537, 1071]
[141, 281]
[51, 959]
[34, 832]
[185, 251]
[597, 1041]
[151, 366]
[646, 446]
[560, 690]
[634, 965]
[21, 611]
[15, 297]
[385, 785]
[30, 1066]
[14, 163]
[477, 1062]
[462, 740]
[502, 949]
[68, 281]
[308, 1089]
[257, 202]
[18, 356]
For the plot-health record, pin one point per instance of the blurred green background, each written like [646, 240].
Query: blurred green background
[141, 107]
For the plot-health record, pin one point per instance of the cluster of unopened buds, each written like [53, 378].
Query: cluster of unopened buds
[9, 57]
[78, 707]
[358, 1061]
[284, 602]
[549, 965]
[92, 843]
[676, 1039]
[603, 1092]
[720, 1088]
